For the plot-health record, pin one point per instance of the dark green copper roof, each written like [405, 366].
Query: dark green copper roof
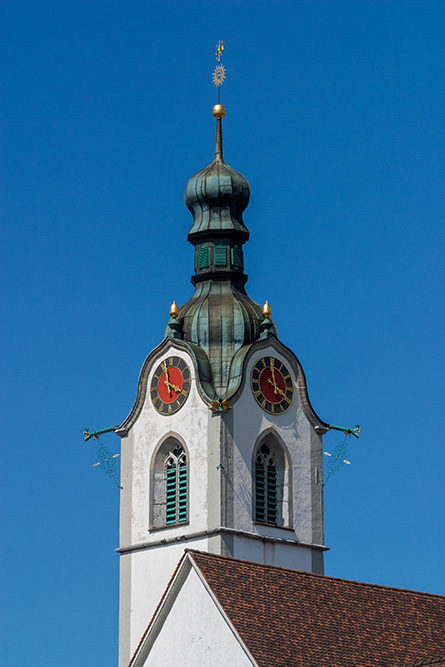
[220, 318]
[217, 197]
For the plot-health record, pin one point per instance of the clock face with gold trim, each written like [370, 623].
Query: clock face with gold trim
[272, 385]
[170, 385]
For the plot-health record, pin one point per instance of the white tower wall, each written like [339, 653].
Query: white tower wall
[220, 447]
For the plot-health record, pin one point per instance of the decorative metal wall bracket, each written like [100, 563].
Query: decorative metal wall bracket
[105, 459]
[340, 451]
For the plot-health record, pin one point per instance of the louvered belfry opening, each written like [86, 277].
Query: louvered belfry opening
[265, 486]
[176, 486]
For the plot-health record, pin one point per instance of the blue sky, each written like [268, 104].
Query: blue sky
[335, 116]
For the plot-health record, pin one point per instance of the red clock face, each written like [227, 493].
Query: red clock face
[170, 385]
[272, 385]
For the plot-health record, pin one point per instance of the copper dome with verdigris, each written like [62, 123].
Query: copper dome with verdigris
[217, 196]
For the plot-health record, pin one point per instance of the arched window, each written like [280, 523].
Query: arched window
[169, 482]
[271, 484]
[176, 486]
[265, 486]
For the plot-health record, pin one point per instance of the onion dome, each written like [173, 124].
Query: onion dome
[217, 196]
[220, 317]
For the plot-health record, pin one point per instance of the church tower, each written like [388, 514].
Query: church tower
[222, 451]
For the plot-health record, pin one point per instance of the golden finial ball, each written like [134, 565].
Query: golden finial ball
[218, 111]
[174, 310]
[267, 310]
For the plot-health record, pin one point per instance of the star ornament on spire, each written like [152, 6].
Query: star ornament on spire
[219, 73]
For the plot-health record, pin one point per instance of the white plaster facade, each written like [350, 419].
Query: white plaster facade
[220, 448]
[174, 639]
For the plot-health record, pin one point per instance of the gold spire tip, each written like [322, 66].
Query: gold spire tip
[219, 111]
[174, 310]
[267, 310]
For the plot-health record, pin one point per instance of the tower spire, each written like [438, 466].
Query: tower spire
[220, 317]
[219, 111]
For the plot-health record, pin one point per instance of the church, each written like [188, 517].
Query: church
[221, 520]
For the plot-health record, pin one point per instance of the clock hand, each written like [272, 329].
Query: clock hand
[173, 386]
[275, 386]
[167, 379]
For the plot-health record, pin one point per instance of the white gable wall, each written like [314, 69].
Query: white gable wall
[193, 632]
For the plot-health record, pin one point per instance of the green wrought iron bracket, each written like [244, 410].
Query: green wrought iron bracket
[347, 431]
[95, 434]
[105, 459]
[340, 451]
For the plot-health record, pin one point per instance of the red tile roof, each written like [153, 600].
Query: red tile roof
[290, 618]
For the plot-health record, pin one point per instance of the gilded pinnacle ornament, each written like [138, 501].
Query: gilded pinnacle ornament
[174, 310]
[267, 310]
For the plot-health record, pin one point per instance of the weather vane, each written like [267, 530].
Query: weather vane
[219, 73]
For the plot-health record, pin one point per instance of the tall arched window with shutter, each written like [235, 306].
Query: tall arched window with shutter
[265, 486]
[271, 482]
[176, 486]
[169, 485]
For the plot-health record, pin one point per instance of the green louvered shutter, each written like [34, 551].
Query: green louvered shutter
[220, 255]
[260, 495]
[182, 500]
[176, 487]
[237, 258]
[203, 258]
[271, 494]
[266, 510]
[170, 492]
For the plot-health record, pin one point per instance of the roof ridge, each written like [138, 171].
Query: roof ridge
[315, 575]
[427, 661]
